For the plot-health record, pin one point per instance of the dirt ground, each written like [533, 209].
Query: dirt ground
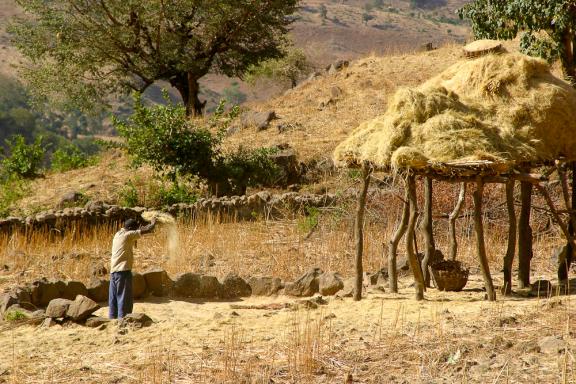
[385, 338]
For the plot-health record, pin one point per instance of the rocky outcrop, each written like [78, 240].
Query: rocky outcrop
[307, 285]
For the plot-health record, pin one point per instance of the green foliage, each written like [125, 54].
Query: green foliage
[70, 157]
[175, 193]
[128, 195]
[310, 220]
[82, 52]
[290, 68]
[15, 315]
[12, 189]
[546, 27]
[24, 160]
[233, 95]
[175, 146]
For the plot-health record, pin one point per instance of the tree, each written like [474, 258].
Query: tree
[82, 51]
[547, 27]
[289, 68]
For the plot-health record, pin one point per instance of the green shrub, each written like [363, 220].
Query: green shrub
[70, 157]
[11, 190]
[24, 160]
[128, 195]
[173, 194]
[310, 220]
[15, 315]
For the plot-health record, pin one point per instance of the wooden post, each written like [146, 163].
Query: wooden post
[359, 230]
[570, 203]
[452, 222]
[480, 246]
[427, 229]
[412, 257]
[524, 235]
[511, 249]
[393, 245]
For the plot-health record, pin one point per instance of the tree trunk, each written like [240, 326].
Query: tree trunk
[188, 87]
[564, 265]
[567, 57]
[524, 235]
[509, 258]
[480, 246]
[359, 230]
[393, 245]
[412, 257]
[452, 222]
[427, 227]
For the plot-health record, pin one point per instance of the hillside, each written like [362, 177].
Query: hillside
[394, 27]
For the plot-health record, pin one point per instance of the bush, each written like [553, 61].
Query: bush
[163, 137]
[24, 160]
[128, 195]
[15, 315]
[70, 157]
[11, 190]
[174, 194]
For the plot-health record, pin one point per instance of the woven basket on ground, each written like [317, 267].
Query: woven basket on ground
[449, 275]
[481, 48]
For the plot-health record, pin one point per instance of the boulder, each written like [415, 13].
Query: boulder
[379, 277]
[57, 308]
[43, 291]
[135, 320]
[138, 285]
[72, 289]
[49, 322]
[7, 300]
[541, 288]
[197, 286]
[235, 286]
[265, 286]
[96, 321]
[96, 206]
[70, 198]
[260, 120]
[337, 66]
[307, 285]
[552, 344]
[98, 289]
[158, 283]
[330, 283]
[81, 308]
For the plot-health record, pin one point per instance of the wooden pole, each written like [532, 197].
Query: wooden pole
[393, 245]
[452, 222]
[524, 235]
[511, 249]
[359, 230]
[412, 257]
[427, 228]
[570, 203]
[480, 246]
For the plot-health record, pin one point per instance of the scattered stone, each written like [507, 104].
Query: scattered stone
[57, 308]
[81, 308]
[307, 285]
[265, 286]
[330, 283]
[7, 300]
[217, 316]
[43, 291]
[135, 320]
[380, 277]
[552, 344]
[528, 347]
[70, 198]
[49, 322]
[96, 321]
[138, 285]
[98, 290]
[96, 206]
[98, 270]
[260, 120]
[330, 316]
[337, 66]
[306, 304]
[197, 286]
[234, 286]
[158, 283]
[234, 314]
[72, 289]
[336, 92]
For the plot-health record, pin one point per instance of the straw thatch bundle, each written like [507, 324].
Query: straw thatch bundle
[499, 109]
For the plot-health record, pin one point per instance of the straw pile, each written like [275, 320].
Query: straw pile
[172, 237]
[499, 109]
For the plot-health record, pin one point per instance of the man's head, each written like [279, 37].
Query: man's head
[131, 225]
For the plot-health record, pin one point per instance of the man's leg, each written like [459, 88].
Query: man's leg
[125, 301]
[113, 297]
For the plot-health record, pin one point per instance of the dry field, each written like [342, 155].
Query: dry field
[385, 338]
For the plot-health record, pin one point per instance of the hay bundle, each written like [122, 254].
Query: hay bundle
[162, 217]
[504, 109]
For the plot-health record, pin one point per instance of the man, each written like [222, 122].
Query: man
[120, 298]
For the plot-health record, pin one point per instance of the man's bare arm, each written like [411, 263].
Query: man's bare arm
[148, 228]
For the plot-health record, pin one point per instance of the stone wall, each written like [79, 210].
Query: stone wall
[262, 204]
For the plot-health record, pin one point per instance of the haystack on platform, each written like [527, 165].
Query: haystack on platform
[487, 119]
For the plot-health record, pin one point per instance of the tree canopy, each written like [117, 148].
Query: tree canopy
[547, 27]
[81, 51]
[289, 68]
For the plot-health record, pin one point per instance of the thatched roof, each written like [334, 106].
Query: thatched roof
[493, 112]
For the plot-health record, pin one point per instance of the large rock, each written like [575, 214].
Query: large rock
[7, 300]
[138, 285]
[330, 283]
[135, 320]
[44, 291]
[552, 344]
[58, 308]
[158, 283]
[81, 308]
[260, 120]
[96, 321]
[235, 286]
[307, 285]
[541, 288]
[197, 286]
[72, 289]
[69, 199]
[265, 286]
[17, 295]
[98, 289]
